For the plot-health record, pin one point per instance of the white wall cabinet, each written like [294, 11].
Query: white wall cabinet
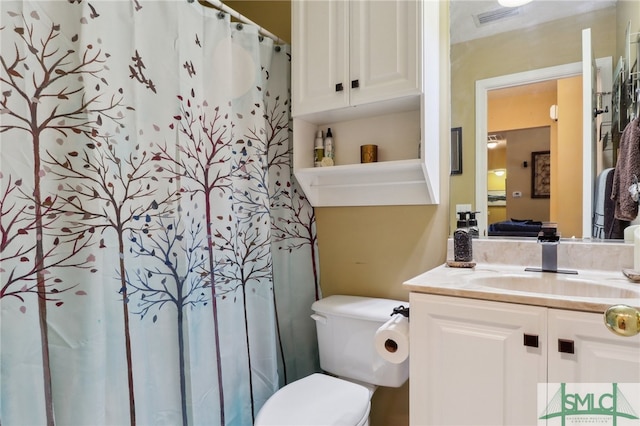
[348, 53]
[357, 64]
[320, 55]
[477, 362]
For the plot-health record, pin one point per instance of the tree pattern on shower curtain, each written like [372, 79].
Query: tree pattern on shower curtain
[72, 114]
[170, 211]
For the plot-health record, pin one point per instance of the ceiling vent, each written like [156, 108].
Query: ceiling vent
[495, 15]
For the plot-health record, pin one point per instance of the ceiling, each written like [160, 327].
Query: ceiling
[465, 22]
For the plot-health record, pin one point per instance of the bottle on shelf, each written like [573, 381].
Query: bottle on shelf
[318, 149]
[328, 145]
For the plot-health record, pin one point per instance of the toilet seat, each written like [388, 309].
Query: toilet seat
[317, 400]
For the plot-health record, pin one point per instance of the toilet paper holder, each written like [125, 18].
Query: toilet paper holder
[401, 310]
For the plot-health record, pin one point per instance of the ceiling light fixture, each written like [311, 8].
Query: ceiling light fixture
[499, 172]
[513, 3]
[492, 141]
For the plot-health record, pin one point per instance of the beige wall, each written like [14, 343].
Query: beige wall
[546, 45]
[520, 111]
[497, 159]
[273, 15]
[628, 11]
[497, 214]
[568, 151]
[520, 144]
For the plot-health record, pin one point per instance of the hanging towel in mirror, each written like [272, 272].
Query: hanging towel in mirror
[613, 228]
[599, 202]
[627, 167]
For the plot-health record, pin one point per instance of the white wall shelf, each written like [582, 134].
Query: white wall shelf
[385, 183]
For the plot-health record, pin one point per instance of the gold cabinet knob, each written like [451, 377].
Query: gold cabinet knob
[623, 320]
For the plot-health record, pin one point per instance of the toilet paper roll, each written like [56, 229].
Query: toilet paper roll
[392, 339]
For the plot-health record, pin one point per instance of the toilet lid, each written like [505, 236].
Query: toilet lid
[316, 400]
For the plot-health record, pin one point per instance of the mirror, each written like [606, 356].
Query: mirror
[537, 42]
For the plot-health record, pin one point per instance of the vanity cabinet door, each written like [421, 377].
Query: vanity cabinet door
[475, 362]
[583, 350]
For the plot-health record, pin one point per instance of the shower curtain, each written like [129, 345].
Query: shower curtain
[158, 260]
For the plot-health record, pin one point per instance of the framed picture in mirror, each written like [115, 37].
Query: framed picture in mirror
[541, 174]
[456, 151]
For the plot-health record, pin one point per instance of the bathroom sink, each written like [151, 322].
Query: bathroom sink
[556, 284]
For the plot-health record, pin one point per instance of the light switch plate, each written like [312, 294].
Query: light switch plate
[463, 208]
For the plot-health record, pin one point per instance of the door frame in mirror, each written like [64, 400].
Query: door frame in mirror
[502, 82]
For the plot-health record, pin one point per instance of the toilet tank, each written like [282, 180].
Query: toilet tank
[346, 328]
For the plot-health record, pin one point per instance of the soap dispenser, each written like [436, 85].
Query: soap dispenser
[462, 249]
[473, 225]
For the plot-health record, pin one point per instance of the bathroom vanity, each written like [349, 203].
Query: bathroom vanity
[484, 338]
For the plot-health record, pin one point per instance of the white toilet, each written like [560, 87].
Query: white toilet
[346, 328]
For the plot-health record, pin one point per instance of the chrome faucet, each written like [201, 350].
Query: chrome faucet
[549, 239]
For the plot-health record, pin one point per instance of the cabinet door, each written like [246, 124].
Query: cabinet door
[384, 46]
[599, 356]
[469, 363]
[319, 55]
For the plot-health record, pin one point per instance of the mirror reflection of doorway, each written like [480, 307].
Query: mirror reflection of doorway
[510, 173]
[521, 116]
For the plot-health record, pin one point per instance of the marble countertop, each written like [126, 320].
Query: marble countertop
[591, 290]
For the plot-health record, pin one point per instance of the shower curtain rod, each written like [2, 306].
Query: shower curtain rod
[240, 17]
